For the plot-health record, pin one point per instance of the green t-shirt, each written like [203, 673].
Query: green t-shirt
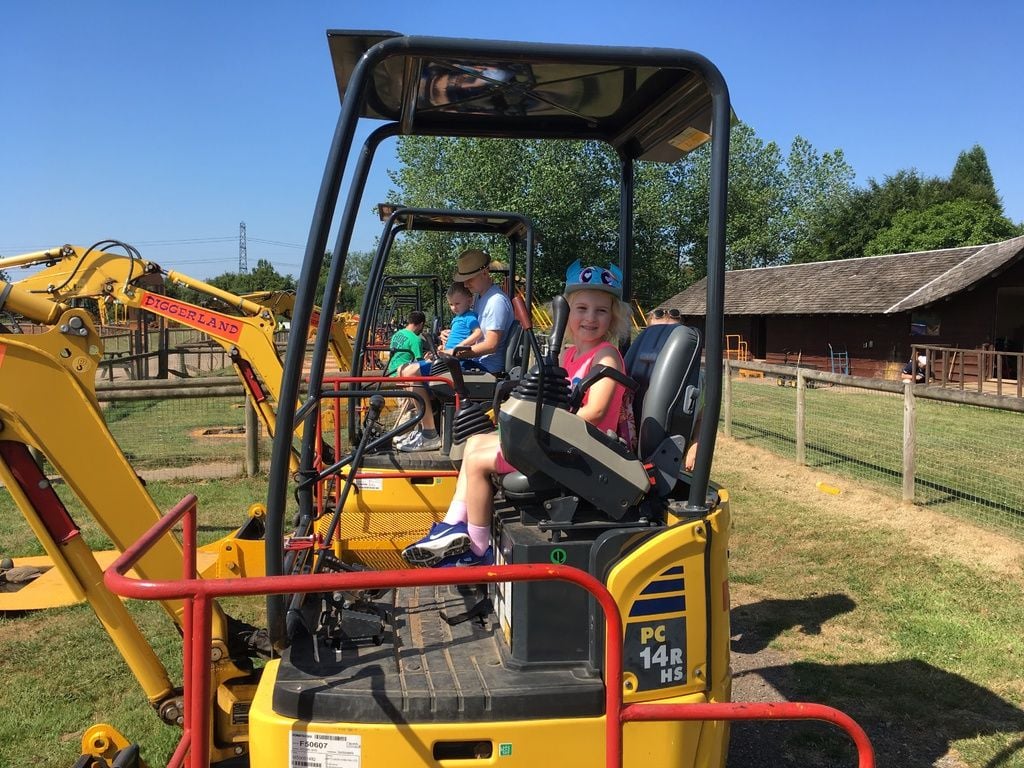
[406, 346]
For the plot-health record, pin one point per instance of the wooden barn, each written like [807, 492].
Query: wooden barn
[873, 311]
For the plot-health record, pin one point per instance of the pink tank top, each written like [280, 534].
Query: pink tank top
[577, 369]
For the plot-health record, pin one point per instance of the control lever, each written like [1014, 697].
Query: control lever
[455, 370]
[560, 319]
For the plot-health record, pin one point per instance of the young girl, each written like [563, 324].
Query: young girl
[597, 318]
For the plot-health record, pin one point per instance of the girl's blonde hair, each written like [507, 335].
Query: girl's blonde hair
[618, 328]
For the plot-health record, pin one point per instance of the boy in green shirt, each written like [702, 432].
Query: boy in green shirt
[406, 344]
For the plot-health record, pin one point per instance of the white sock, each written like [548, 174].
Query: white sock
[456, 513]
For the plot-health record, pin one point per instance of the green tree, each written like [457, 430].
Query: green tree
[262, 277]
[815, 184]
[972, 179]
[843, 231]
[570, 190]
[908, 211]
[774, 204]
[353, 280]
[951, 224]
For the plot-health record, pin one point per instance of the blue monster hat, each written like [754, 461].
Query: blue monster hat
[607, 279]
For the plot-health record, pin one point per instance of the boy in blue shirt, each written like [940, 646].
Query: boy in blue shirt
[465, 328]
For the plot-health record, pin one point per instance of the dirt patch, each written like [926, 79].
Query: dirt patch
[217, 432]
[762, 673]
[925, 529]
[210, 471]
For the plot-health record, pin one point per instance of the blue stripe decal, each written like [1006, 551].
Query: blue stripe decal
[660, 587]
[674, 571]
[658, 605]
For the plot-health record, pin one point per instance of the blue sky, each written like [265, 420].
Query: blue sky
[167, 124]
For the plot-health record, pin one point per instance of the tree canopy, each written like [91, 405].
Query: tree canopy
[910, 212]
[784, 207]
[951, 224]
[570, 190]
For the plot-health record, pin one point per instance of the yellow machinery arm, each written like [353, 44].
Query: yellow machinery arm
[71, 272]
[47, 402]
[283, 302]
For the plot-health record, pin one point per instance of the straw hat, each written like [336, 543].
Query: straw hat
[471, 263]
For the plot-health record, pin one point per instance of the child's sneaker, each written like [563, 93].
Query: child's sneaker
[419, 442]
[398, 442]
[468, 558]
[443, 540]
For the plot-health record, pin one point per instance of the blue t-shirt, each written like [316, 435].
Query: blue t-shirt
[462, 326]
[495, 312]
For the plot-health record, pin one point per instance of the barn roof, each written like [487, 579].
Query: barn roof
[867, 286]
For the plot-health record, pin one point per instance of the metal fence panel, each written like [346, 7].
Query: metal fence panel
[966, 456]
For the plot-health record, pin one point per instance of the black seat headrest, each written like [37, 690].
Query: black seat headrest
[664, 360]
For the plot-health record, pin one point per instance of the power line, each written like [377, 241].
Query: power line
[277, 242]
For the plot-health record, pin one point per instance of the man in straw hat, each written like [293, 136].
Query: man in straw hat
[495, 314]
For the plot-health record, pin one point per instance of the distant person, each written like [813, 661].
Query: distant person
[920, 376]
[406, 344]
[665, 317]
[464, 331]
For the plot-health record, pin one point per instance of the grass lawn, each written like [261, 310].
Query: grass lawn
[60, 671]
[905, 618]
[175, 433]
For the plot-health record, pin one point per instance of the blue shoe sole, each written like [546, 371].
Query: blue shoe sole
[429, 555]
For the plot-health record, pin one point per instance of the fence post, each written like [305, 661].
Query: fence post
[801, 399]
[909, 441]
[727, 408]
[252, 439]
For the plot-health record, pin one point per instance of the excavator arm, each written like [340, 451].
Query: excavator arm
[71, 272]
[47, 403]
[282, 303]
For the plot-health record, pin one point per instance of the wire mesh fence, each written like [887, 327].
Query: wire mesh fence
[856, 432]
[158, 432]
[964, 458]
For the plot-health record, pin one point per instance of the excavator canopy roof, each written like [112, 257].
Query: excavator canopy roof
[652, 107]
[439, 220]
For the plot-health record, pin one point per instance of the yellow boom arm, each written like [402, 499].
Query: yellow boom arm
[47, 402]
[71, 272]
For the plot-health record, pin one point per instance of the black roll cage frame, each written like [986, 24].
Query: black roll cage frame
[327, 199]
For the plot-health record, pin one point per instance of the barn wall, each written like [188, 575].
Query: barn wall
[872, 341]
[878, 345]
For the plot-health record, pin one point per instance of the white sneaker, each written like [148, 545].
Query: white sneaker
[421, 443]
[402, 439]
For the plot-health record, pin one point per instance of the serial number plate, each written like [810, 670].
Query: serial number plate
[324, 750]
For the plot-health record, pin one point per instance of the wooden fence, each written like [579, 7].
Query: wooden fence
[802, 379]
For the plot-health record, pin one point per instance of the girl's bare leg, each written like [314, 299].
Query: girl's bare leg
[480, 459]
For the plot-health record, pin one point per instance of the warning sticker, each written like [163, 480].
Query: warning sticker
[370, 483]
[324, 750]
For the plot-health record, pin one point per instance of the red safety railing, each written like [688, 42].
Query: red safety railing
[198, 595]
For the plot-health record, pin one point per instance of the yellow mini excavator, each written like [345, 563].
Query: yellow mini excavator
[48, 404]
[600, 635]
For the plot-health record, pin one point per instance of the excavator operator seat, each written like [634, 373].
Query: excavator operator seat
[570, 457]
[513, 350]
[664, 361]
